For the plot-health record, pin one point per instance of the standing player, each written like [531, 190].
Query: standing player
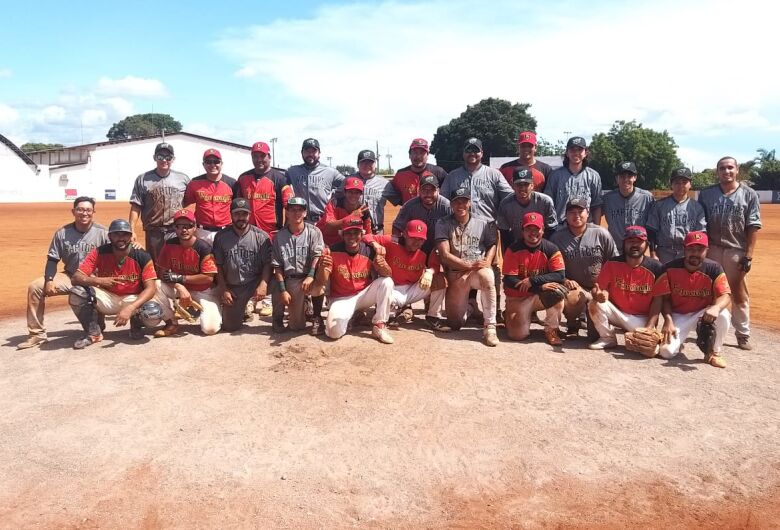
[297, 249]
[70, 244]
[532, 265]
[407, 180]
[733, 221]
[359, 279]
[377, 190]
[626, 292]
[119, 279]
[575, 179]
[156, 196]
[627, 205]
[342, 210]
[467, 246]
[525, 199]
[187, 270]
[672, 218]
[243, 257]
[694, 288]
[429, 206]
[313, 181]
[526, 152]
[211, 194]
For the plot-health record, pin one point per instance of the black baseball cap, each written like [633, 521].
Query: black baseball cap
[310, 142]
[681, 173]
[164, 146]
[429, 180]
[366, 154]
[240, 205]
[578, 202]
[461, 193]
[522, 174]
[577, 141]
[473, 144]
[627, 167]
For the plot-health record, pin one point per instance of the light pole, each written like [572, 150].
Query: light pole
[273, 149]
[389, 167]
[329, 159]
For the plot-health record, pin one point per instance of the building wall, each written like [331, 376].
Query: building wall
[19, 179]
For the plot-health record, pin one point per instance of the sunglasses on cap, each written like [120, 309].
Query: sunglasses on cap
[166, 158]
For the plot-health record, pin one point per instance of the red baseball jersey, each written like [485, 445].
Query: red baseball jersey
[132, 271]
[693, 291]
[211, 200]
[197, 259]
[407, 266]
[267, 195]
[351, 272]
[333, 211]
[539, 172]
[631, 289]
[407, 180]
[524, 262]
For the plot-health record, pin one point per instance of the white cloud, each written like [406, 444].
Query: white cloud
[91, 117]
[52, 114]
[6, 73]
[8, 115]
[131, 86]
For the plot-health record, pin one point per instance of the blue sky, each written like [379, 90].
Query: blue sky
[353, 73]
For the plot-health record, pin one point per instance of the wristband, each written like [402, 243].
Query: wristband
[282, 286]
[312, 272]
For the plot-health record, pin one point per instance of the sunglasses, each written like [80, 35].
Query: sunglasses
[212, 161]
[167, 158]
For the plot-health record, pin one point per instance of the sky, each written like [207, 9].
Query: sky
[356, 73]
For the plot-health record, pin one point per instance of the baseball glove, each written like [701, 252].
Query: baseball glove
[705, 336]
[189, 313]
[644, 340]
[550, 297]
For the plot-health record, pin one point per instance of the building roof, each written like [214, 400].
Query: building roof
[21, 154]
[92, 146]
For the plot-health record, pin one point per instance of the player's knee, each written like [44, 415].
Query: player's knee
[209, 328]
[516, 334]
[668, 351]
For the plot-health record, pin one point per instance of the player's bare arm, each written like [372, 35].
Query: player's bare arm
[123, 317]
[381, 266]
[133, 216]
[106, 282]
[449, 260]
[655, 311]
[721, 303]
[668, 329]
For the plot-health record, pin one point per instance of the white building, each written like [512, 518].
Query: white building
[20, 174]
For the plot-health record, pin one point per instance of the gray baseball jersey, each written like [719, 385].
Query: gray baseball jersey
[469, 242]
[376, 192]
[242, 257]
[562, 185]
[72, 246]
[511, 212]
[488, 188]
[584, 255]
[729, 216]
[316, 185]
[626, 211]
[671, 221]
[414, 209]
[294, 253]
[159, 197]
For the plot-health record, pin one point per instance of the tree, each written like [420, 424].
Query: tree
[702, 179]
[497, 122]
[141, 125]
[766, 170]
[30, 147]
[345, 169]
[545, 148]
[653, 152]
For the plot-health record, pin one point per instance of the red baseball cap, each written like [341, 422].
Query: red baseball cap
[352, 224]
[353, 183]
[533, 219]
[696, 238]
[184, 214]
[261, 147]
[637, 232]
[420, 143]
[211, 152]
[527, 137]
[416, 229]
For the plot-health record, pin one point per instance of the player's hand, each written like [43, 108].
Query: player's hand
[227, 298]
[426, 279]
[599, 295]
[185, 298]
[260, 291]
[286, 298]
[108, 282]
[550, 286]
[49, 289]
[668, 330]
[379, 249]
[306, 284]
[481, 263]
[523, 285]
[172, 277]
[711, 314]
[571, 285]
[123, 317]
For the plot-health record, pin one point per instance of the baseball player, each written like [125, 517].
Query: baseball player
[733, 217]
[377, 190]
[341, 211]
[118, 279]
[694, 288]
[243, 257]
[526, 152]
[585, 248]
[532, 265]
[626, 292]
[626, 205]
[156, 196]
[70, 244]
[297, 249]
[359, 279]
[429, 206]
[313, 181]
[407, 180]
[673, 217]
[525, 199]
[575, 179]
[211, 194]
[467, 246]
[187, 269]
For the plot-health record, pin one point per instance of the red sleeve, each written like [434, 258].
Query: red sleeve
[148, 272]
[605, 276]
[511, 265]
[720, 286]
[555, 262]
[330, 213]
[164, 259]
[208, 265]
[382, 239]
[507, 172]
[287, 193]
[662, 287]
[90, 263]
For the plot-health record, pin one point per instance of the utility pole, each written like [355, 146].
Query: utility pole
[273, 150]
[329, 159]
[389, 167]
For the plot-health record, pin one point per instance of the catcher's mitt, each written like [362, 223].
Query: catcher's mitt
[645, 341]
[550, 297]
[189, 313]
[705, 336]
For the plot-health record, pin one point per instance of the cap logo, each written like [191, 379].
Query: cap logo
[522, 173]
[626, 165]
[697, 237]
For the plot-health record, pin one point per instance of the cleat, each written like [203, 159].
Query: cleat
[436, 323]
[317, 327]
[743, 343]
[551, 335]
[489, 335]
[87, 340]
[715, 360]
[277, 326]
[264, 309]
[379, 331]
[170, 328]
[32, 340]
[603, 343]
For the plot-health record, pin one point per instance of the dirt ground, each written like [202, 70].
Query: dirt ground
[253, 430]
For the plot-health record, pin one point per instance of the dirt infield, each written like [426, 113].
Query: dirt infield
[254, 430]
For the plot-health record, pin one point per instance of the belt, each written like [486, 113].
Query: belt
[212, 228]
[296, 276]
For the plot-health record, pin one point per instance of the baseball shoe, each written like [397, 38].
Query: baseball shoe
[265, 309]
[249, 311]
[603, 343]
[489, 335]
[379, 330]
[715, 360]
[572, 329]
[32, 340]
[743, 343]
[317, 327]
[309, 308]
[171, 328]
[436, 323]
[87, 340]
[404, 317]
[551, 335]
[277, 326]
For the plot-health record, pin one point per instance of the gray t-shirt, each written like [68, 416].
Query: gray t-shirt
[414, 210]
[672, 220]
[293, 253]
[729, 216]
[488, 188]
[159, 197]
[316, 185]
[242, 257]
[511, 212]
[469, 242]
[72, 246]
[584, 255]
[626, 211]
[562, 185]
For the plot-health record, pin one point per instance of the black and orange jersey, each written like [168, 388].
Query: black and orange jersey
[693, 291]
[539, 172]
[267, 195]
[351, 273]
[196, 259]
[132, 270]
[334, 211]
[542, 264]
[407, 180]
[211, 200]
[631, 289]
